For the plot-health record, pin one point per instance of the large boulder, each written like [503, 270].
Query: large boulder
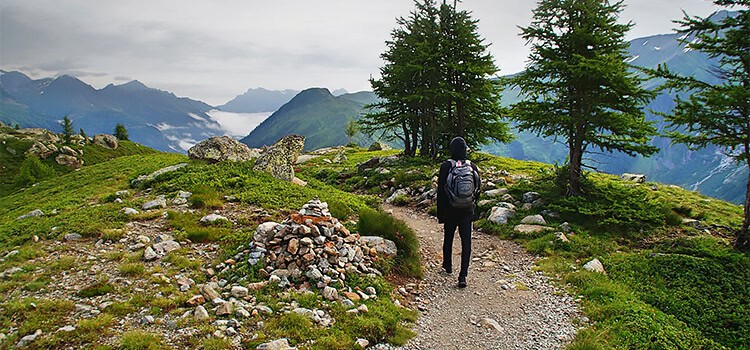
[41, 150]
[637, 178]
[146, 178]
[221, 148]
[279, 159]
[106, 140]
[502, 212]
[69, 161]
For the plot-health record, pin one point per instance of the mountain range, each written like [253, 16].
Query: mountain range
[318, 115]
[155, 118]
[163, 121]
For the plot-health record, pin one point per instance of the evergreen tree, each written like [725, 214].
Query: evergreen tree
[67, 126]
[17, 127]
[120, 132]
[717, 114]
[83, 134]
[577, 85]
[437, 83]
[351, 129]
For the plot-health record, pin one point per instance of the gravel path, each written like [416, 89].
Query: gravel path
[507, 304]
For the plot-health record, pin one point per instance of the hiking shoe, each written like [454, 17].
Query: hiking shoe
[462, 283]
[447, 269]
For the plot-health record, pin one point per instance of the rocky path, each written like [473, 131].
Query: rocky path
[507, 304]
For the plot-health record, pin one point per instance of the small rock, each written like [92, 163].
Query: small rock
[128, 211]
[196, 300]
[224, 309]
[527, 229]
[363, 309]
[330, 293]
[534, 220]
[33, 213]
[362, 343]
[562, 237]
[159, 202]
[278, 344]
[147, 319]
[595, 266]
[501, 214]
[200, 313]
[25, 341]
[531, 197]
[239, 292]
[496, 192]
[149, 254]
[209, 292]
[70, 237]
[490, 324]
[213, 218]
[67, 329]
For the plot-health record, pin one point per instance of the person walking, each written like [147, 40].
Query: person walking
[457, 193]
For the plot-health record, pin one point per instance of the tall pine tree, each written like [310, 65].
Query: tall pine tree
[717, 114]
[438, 82]
[67, 126]
[577, 86]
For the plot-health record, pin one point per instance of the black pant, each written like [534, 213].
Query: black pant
[464, 230]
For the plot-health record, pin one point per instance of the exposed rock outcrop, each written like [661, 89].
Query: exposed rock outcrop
[220, 148]
[280, 158]
[106, 140]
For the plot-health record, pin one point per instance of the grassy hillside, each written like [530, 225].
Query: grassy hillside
[46, 278]
[673, 281]
[12, 158]
[315, 114]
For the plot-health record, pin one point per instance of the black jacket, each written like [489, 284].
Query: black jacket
[445, 212]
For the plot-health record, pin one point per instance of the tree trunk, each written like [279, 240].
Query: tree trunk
[414, 140]
[743, 237]
[407, 144]
[574, 168]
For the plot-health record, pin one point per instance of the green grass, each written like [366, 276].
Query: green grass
[28, 314]
[376, 223]
[668, 286]
[99, 288]
[140, 340]
[74, 196]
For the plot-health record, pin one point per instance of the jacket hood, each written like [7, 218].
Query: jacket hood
[458, 148]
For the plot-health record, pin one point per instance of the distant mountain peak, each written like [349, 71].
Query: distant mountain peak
[135, 84]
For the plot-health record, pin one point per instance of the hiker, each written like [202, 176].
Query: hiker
[457, 193]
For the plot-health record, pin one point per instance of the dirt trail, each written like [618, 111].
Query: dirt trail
[507, 304]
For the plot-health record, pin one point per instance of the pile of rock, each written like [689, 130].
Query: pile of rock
[314, 247]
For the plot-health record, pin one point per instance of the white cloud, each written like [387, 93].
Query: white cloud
[213, 51]
[238, 125]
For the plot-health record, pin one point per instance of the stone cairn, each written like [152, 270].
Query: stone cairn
[315, 247]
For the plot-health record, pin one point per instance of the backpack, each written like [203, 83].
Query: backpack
[462, 184]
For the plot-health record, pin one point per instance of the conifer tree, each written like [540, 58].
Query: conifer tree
[351, 129]
[718, 113]
[120, 132]
[67, 126]
[577, 86]
[83, 134]
[438, 82]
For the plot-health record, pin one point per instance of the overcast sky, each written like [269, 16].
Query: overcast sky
[215, 50]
